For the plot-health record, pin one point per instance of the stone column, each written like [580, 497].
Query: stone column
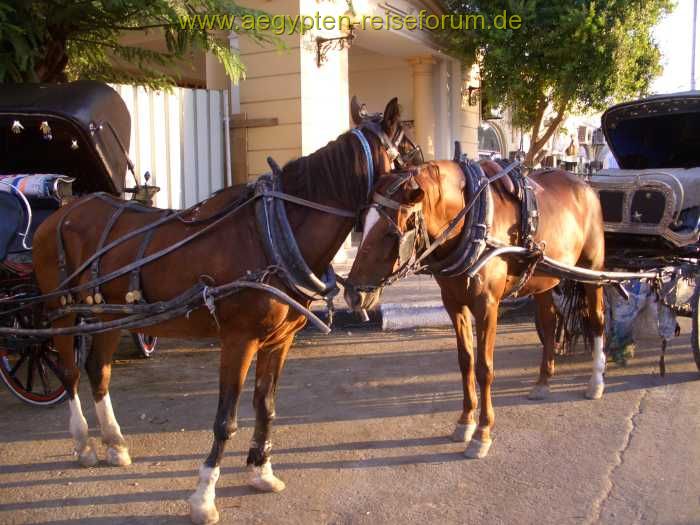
[423, 106]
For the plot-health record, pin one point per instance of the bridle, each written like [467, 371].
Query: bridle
[411, 241]
[414, 244]
[372, 123]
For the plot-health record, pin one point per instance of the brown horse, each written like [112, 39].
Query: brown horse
[250, 323]
[570, 231]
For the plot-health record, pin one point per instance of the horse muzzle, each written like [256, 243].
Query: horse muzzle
[359, 300]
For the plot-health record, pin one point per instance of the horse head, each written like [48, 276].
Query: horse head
[389, 240]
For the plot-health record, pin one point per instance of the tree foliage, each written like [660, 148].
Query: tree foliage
[568, 55]
[58, 40]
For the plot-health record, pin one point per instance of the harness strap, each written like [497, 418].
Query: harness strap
[60, 246]
[394, 205]
[95, 268]
[135, 277]
[309, 204]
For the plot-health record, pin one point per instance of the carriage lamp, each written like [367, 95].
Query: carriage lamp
[45, 130]
[74, 144]
[470, 96]
[17, 127]
[324, 45]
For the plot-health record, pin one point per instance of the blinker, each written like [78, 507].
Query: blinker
[407, 243]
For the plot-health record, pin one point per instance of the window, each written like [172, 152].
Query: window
[490, 146]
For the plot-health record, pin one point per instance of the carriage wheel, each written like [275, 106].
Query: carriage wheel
[695, 332]
[145, 344]
[32, 374]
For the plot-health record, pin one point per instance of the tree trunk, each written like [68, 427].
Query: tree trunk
[52, 68]
[537, 143]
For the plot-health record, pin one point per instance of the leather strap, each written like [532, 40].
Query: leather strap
[308, 204]
[394, 205]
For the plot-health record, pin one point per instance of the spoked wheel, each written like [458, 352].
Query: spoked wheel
[32, 373]
[695, 331]
[145, 344]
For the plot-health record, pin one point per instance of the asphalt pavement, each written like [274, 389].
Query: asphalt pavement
[362, 437]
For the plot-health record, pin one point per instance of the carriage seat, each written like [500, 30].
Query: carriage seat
[11, 217]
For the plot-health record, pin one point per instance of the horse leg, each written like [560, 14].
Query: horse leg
[77, 424]
[546, 315]
[237, 351]
[461, 320]
[99, 370]
[486, 315]
[596, 316]
[268, 368]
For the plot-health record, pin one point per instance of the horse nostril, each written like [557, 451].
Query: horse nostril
[353, 298]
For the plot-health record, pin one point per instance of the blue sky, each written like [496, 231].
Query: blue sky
[674, 36]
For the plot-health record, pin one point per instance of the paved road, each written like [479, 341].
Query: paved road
[361, 438]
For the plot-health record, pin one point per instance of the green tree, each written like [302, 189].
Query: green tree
[567, 55]
[59, 40]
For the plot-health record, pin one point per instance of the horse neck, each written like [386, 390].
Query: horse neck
[443, 201]
[319, 234]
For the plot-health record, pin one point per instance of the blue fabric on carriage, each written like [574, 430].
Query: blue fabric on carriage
[11, 218]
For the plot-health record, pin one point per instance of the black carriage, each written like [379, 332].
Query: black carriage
[57, 142]
[651, 202]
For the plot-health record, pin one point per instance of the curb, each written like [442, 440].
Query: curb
[398, 316]
[390, 316]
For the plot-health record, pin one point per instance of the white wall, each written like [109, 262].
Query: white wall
[178, 136]
[375, 79]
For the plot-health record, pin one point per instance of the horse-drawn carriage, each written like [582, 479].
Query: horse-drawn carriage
[56, 143]
[651, 203]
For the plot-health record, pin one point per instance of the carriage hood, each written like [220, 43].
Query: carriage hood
[81, 129]
[662, 131]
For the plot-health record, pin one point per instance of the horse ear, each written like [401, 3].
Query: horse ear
[355, 109]
[392, 116]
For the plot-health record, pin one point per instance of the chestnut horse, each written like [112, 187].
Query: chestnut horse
[570, 231]
[250, 323]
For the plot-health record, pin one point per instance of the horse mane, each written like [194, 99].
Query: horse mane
[337, 172]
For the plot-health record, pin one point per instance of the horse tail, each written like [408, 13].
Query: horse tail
[574, 321]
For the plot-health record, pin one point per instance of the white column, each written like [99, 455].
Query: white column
[423, 104]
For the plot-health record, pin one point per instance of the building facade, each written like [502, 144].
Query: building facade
[290, 104]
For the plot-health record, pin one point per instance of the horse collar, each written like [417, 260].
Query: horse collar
[368, 157]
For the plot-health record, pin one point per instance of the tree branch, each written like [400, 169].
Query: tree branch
[536, 143]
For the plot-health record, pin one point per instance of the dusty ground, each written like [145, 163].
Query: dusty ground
[362, 438]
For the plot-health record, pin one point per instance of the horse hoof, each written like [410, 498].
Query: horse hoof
[463, 433]
[595, 391]
[263, 479]
[539, 392]
[203, 514]
[88, 457]
[118, 456]
[477, 449]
